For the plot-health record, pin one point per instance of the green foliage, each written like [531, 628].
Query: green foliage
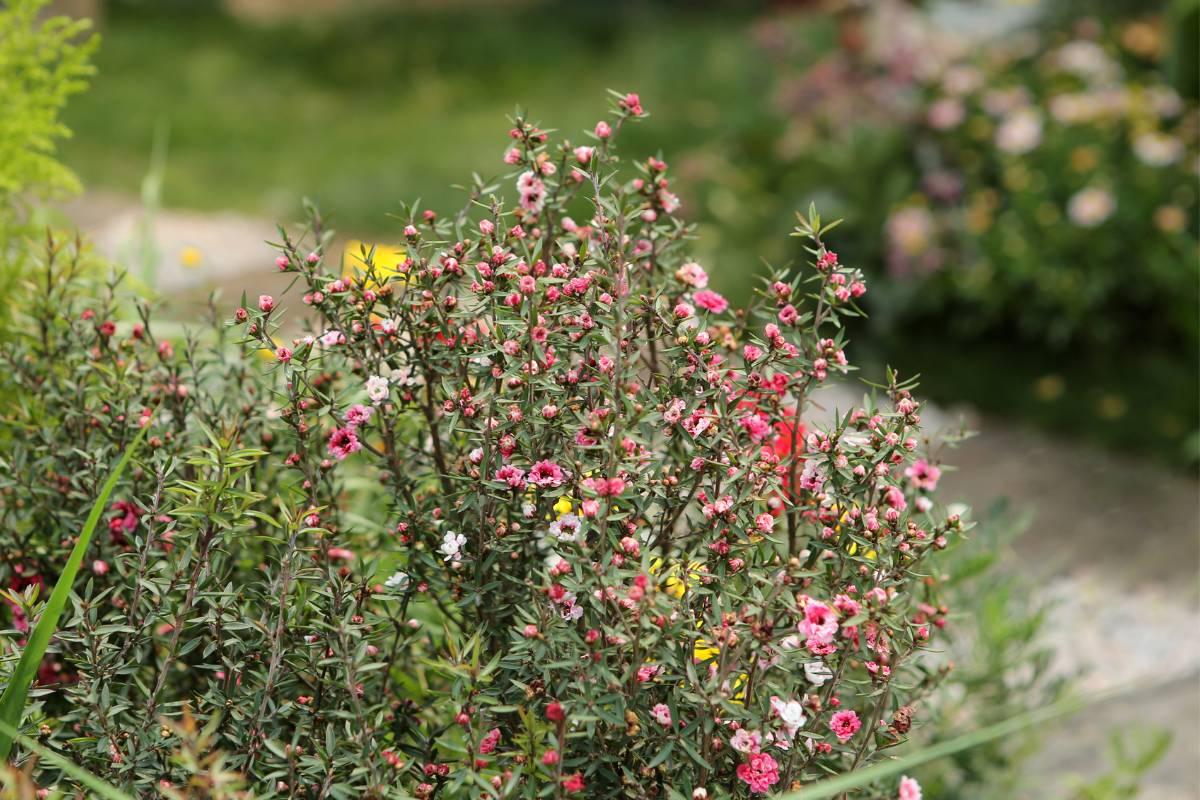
[1132, 754]
[12, 702]
[42, 64]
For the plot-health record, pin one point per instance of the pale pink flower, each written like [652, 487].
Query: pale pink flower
[909, 789]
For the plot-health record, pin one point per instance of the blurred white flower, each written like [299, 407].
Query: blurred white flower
[961, 79]
[1157, 149]
[1020, 132]
[910, 230]
[398, 580]
[1086, 60]
[1091, 206]
[946, 113]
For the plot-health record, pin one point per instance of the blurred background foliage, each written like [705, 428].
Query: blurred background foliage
[983, 279]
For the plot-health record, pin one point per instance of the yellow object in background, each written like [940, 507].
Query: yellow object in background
[191, 257]
[563, 506]
[386, 259]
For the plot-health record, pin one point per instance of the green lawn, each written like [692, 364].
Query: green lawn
[363, 112]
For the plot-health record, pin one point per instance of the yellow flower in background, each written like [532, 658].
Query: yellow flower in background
[1049, 387]
[190, 257]
[739, 689]
[852, 548]
[673, 584]
[387, 261]
[563, 506]
[267, 353]
[703, 650]
[1084, 158]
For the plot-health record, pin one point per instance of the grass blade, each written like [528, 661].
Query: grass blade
[833, 787]
[99, 787]
[12, 703]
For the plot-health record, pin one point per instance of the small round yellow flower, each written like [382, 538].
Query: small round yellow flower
[190, 257]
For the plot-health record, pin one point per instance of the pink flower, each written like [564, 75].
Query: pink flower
[513, 476]
[266, 302]
[845, 724]
[662, 714]
[343, 442]
[692, 274]
[909, 789]
[923, 474]
[711, 301]
[603, 130]
[546, 474]
[489, 741]
[99, 567]
[284, 354]
[358, 414]
[760, 772]
[573, 783]
[820, 623]
[746, 741]
[532, 191]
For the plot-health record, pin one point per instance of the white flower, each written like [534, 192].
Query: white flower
[1091, 206]
[567, 528]
[377, 388]
[1157, 149]
[1087, 60]
[1020, 132]
[790, 713]
[746, 741]
[398, 580]
[452, 545]
[817, 672]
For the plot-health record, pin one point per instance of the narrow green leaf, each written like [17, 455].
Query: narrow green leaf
[864, 777]
[98, 786]
[12, 703]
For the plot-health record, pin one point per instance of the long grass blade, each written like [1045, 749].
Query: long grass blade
[864, 777]
[12, 703]
[99, 787]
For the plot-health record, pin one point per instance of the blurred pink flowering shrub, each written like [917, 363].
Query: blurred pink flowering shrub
[1043, 154]
[613, 561]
